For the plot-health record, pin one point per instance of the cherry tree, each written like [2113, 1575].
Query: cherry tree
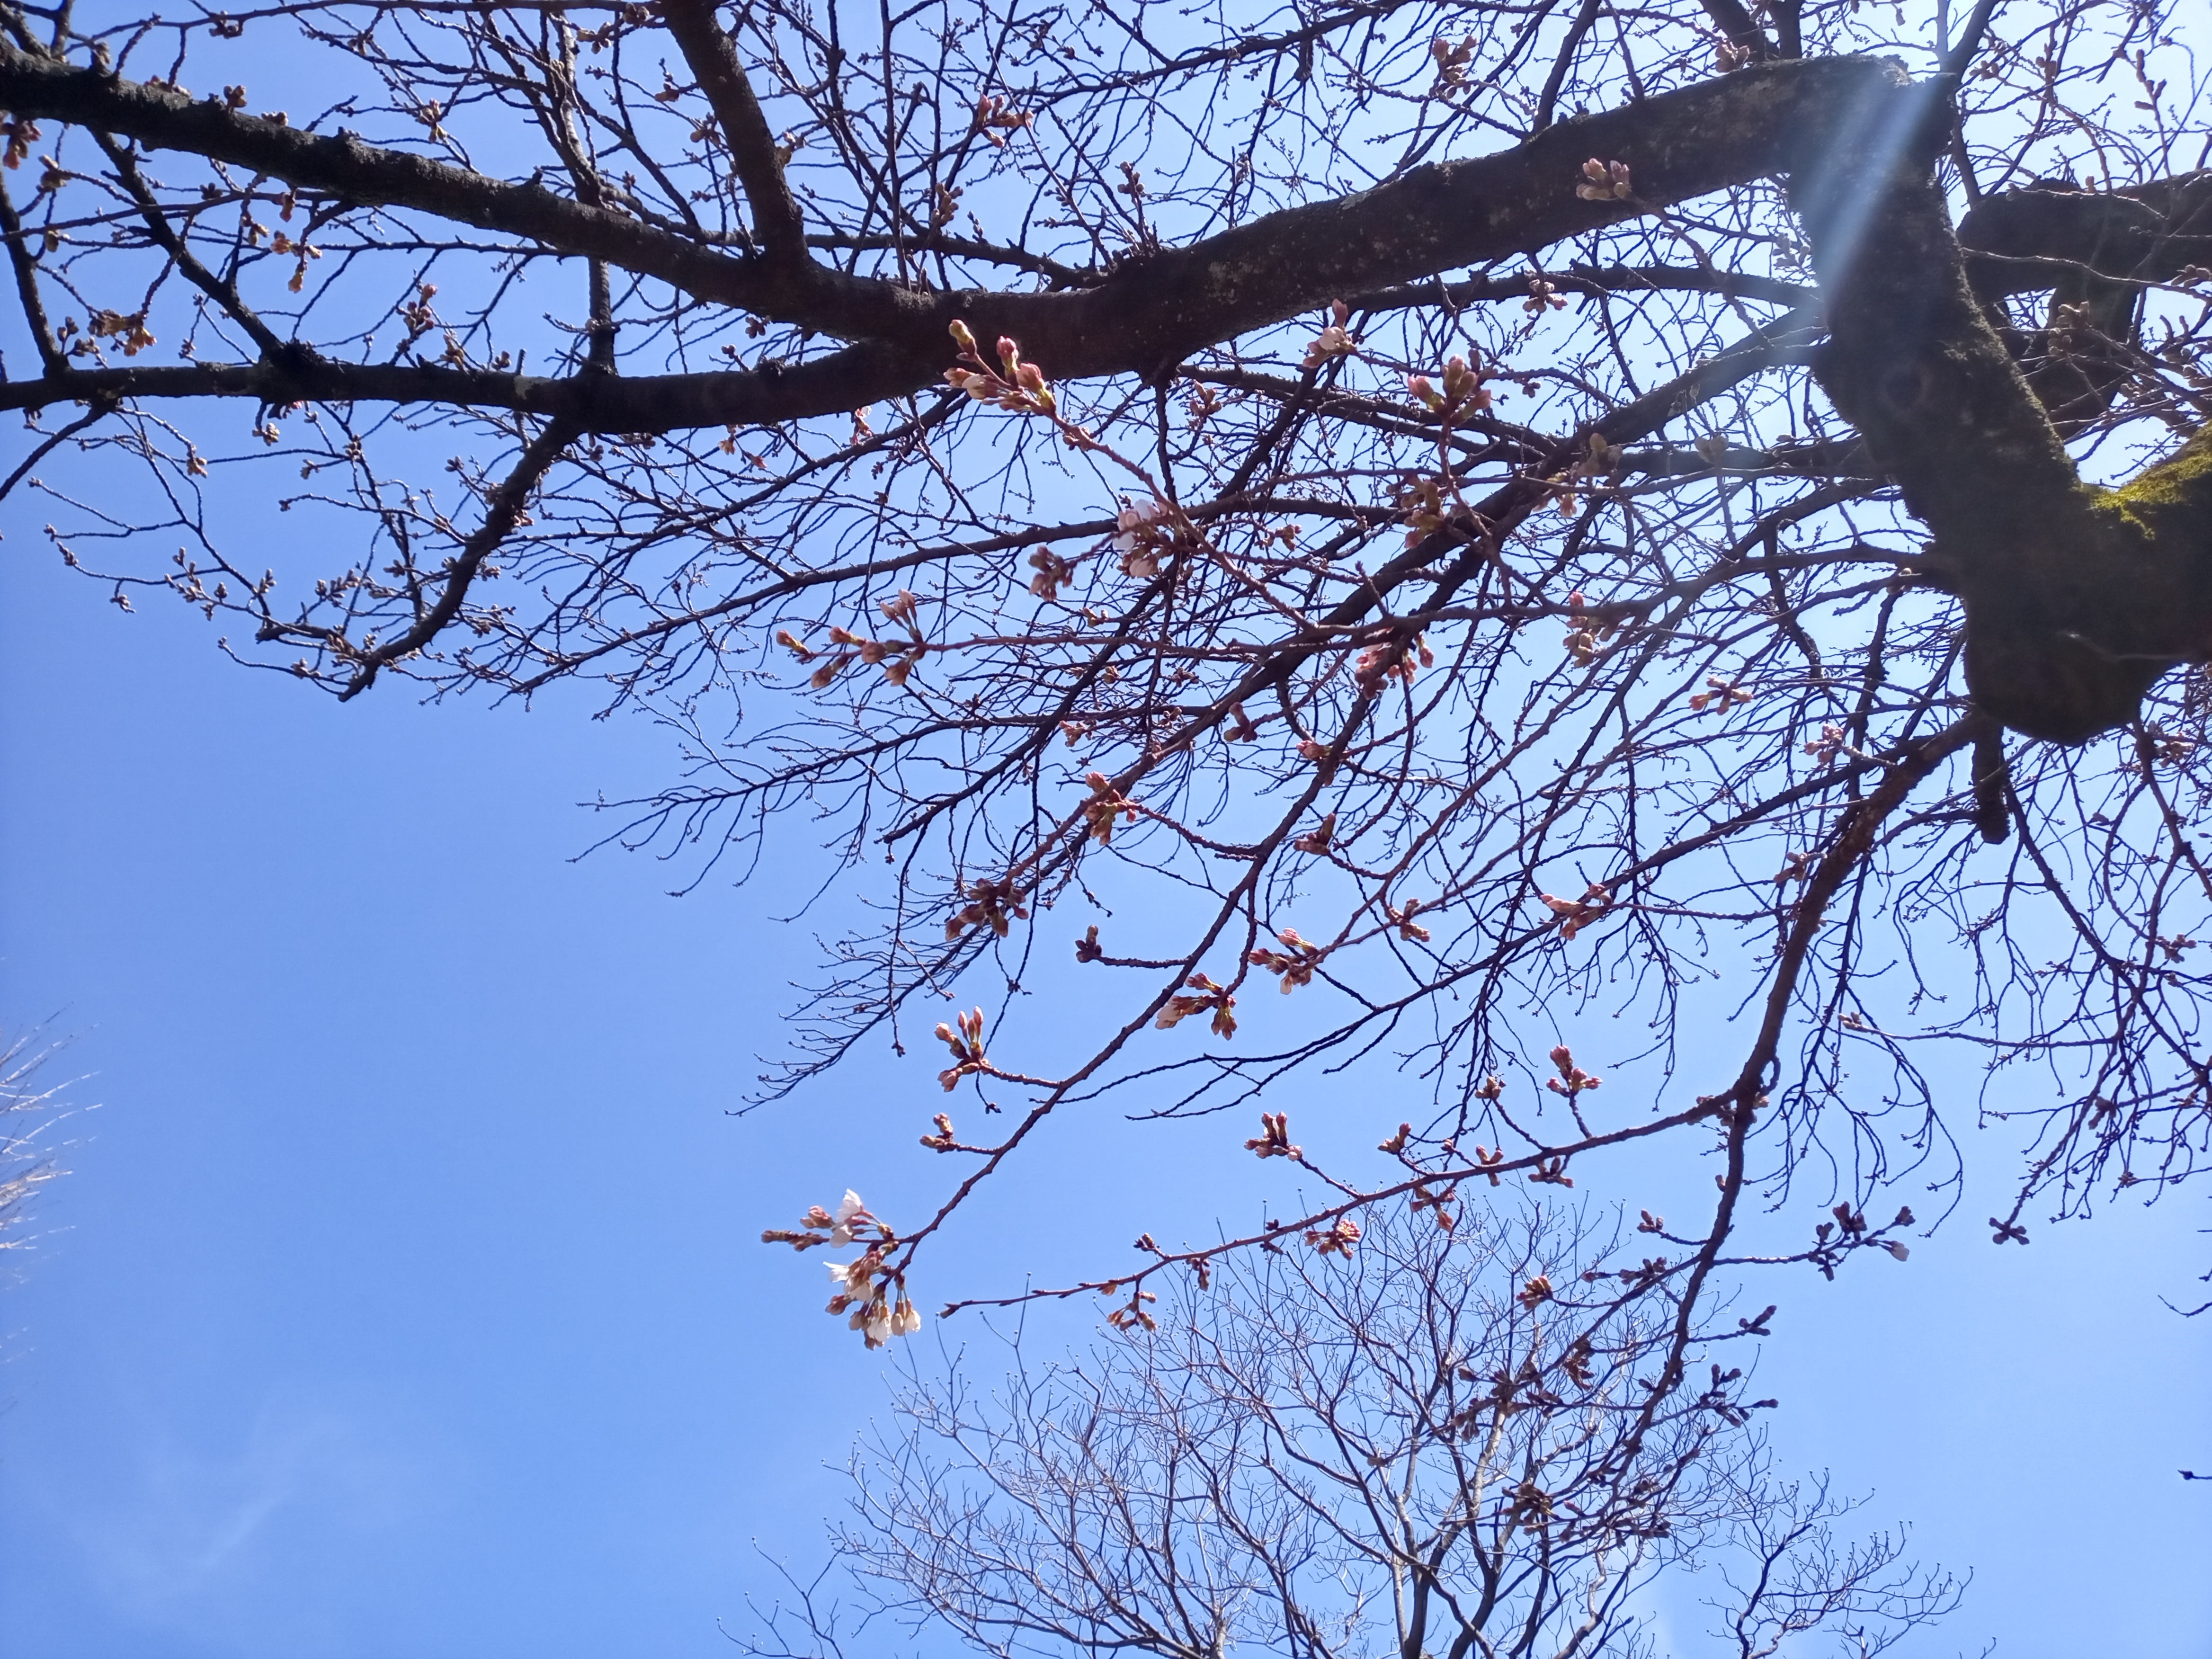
[1441, 1442]
[1442, 523]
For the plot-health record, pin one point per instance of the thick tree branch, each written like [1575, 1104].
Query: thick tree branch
[708, 48]
[1759, 122]
[1961, 57]
[1754, 124]
[1736, 24]
[2077, 601]
[220, 289]
[1788, 42]
[344, 167]
[25, 266]
[1589, 279]
[594, 402]
[2026, 241]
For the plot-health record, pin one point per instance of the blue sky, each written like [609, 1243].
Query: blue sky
[405, 1295]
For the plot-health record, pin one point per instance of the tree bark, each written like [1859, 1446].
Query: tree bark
[2077, 600]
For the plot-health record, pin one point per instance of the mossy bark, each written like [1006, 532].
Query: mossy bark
[2076, 600]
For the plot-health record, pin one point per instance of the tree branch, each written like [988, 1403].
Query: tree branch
[1735, 23]
[501, 513]
[1589, 279]
[223, 292]
[344, 167]
[707, 47]
[24, 264]
[593, 402]
[1770, 119]
[2077, 602]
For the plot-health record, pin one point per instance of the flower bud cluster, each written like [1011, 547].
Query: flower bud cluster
[996, 120]
[873, 1299]
[873, 1310]
[1440, 1202]
[1318, 839]
[897, 657]
[966, 1046]
[1597, 468]
[1604, 181]
[1830, 1245]
[994, 904]
[1337, 1240]
[1574, 914]
[1572, 1079]
[1830, 743]
[1462, 390]
[1106, 803]
[1396, 660]
[1274, 1140]
[1014, 385]
[1451, 63]
[1532, 1505]
[1542, 297]
[1052, 572]
[1646, 1274]
[1720, 696]
[1295, 963]
[129, 327]
[1143, 531]
[20, 136]
[1576, 1362]
[1132, 1316]
[1334, 340]
[1201, 995]
[1587, 630]
[1423, 501]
